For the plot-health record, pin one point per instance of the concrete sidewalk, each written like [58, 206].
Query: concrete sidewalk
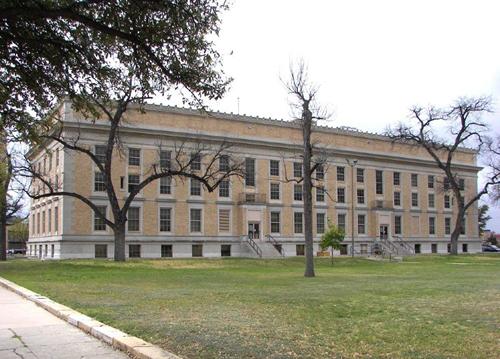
[28, 331]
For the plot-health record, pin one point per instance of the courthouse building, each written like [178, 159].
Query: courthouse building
[397, 191]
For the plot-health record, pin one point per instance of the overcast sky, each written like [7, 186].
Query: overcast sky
[372, 59]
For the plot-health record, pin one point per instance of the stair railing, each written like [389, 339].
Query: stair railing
[276, 244]
[254, 245]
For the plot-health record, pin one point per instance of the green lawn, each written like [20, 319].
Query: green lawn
[424, 307]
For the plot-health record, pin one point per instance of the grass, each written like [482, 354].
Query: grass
[423, 307]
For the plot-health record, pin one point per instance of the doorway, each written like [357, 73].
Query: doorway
[254, 230]
[384, 231]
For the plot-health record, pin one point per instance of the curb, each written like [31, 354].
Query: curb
[133, 346]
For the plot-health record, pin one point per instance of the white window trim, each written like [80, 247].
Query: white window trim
[419, 200]
[200, 233]
[293, 222]
[323, 211]
[172, 220]
[201, 190]
[281, 192]
[164, 195]
[107, 230]
[366, 224]
[294, 201]
[429, 226]
[276, 234]
[256, 171]
[229, 198]
[141, 219]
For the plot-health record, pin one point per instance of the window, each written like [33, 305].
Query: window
[101, 251]
[134, 251]
[360, 175]
[447, 225]
[52, 247]
[297, 222]
[224, 189]
[396, 178]
[447, 201]
[341, 221]
[361, 224]
[99, 182]
[297, 192]
[195, 188]
[379, 182]
[195, 220]
[224, 163]
[320, 172]
[397, 225]
[320, 223]
[418, 248]
[431, 200]
[275, 191]
[462, 231]
[165, 159]
[165, 219]
[340, 173]
[43, 222]
[134, 157]
[414, 180]
[122, 182]
[100, 153]
[430, 181]
[297, 169]
[274, 168]
[465, 248]
[224, 220]
[99, 223]
[33, 224]
[361, 196]
[49, 220]
[275, 222]
[461, 184]
[320, 194]
[434, 248]
[166, 251]
[414, 199]
[57, 157]
[300, 249]
[397, 198]
[432, 225]
[133, 182]
[197, 250]
[225, 250]
[166, 185]
[446, 183]
[250, 172]
[341, 195]
[133, 220]
[38, 223]
[50, 161]
[56, 219]
[195, 161]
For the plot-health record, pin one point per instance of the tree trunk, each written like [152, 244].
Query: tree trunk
[307, 193]
[456, 233]
[120, 243]
[3, 240]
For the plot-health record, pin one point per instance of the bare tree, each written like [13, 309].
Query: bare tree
[218, 166]
[466, 129]
[306, 113]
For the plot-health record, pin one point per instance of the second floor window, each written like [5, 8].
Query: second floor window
[275, 191]
[224, 188]
[431, 200]
[360, 175]
[165, 219]
[447, 225]
[298, 222]
[297, 169]
[361, 196]
[341, 195]
[134, 157]
[414, 199]
[361, 224]
[447, 202]
[274, 168]
[250, 172]
[341, 221]
[320, 172]
[165, 185]
[397, 225]
[195, 220]
[340, 173]
[320, 223]
[275, 222]
[461, 184]
[99, 182]
[432, 225]
[195, 188]
[379, 182]
[397, 198]
[297, 192]
[133, 182]
[165, 160]
[320, 194]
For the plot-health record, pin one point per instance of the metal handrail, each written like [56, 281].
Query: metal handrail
[254, 246]
[276, 245]
[405, 245]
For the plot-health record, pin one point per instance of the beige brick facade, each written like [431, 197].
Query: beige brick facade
[260, 139]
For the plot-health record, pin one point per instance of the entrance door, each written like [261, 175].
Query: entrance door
[253, 230]
[384, 231]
